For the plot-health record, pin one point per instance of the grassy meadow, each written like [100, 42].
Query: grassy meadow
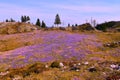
[29, 56]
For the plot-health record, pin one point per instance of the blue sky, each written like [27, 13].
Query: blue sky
[70, 11]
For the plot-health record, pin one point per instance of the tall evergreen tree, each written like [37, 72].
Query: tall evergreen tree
[57, 20]
[7, 20]
[43, 24]
[22, 19]
[38, 22]
[27, 18]
[68, 25]
[76, 25]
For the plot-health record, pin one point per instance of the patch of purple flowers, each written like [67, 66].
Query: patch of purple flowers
[55, 45]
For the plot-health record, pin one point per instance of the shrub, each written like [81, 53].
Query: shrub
[36, 68]
[114, 76]
[25, 71]
[92, 69]
[55, 65]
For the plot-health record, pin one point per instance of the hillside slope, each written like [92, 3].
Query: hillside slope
[112, 26]
[15, 27]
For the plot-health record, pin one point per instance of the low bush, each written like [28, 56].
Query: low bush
[55, 64]
[25, 71]
[114, 76]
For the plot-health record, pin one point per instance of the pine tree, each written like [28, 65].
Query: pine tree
[43, 24]
[57, 20]
[22, 19]
[68, 25]
[38, 22]
[27, 18]
[11, 20]
[7, 20]
[76, 25]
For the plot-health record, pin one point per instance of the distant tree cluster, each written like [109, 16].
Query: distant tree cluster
[11, 20]
[25, 18]
[106, 25]
[42, 25]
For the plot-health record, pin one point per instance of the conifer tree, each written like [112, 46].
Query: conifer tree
[43, 24]
[68, 25]
[57, 20]
[22, 19]
[7, 20]
[38, 22]
[76, 25]
[11, 20]
[27, 18]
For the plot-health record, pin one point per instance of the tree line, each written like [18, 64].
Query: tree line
[42, 24]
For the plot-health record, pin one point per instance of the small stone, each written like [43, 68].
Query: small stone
[61, 64]
[86, 63]
[77, 70]
[79, 64]
[74, 65]
[46, 66]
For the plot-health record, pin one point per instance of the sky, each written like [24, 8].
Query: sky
[70, 11]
